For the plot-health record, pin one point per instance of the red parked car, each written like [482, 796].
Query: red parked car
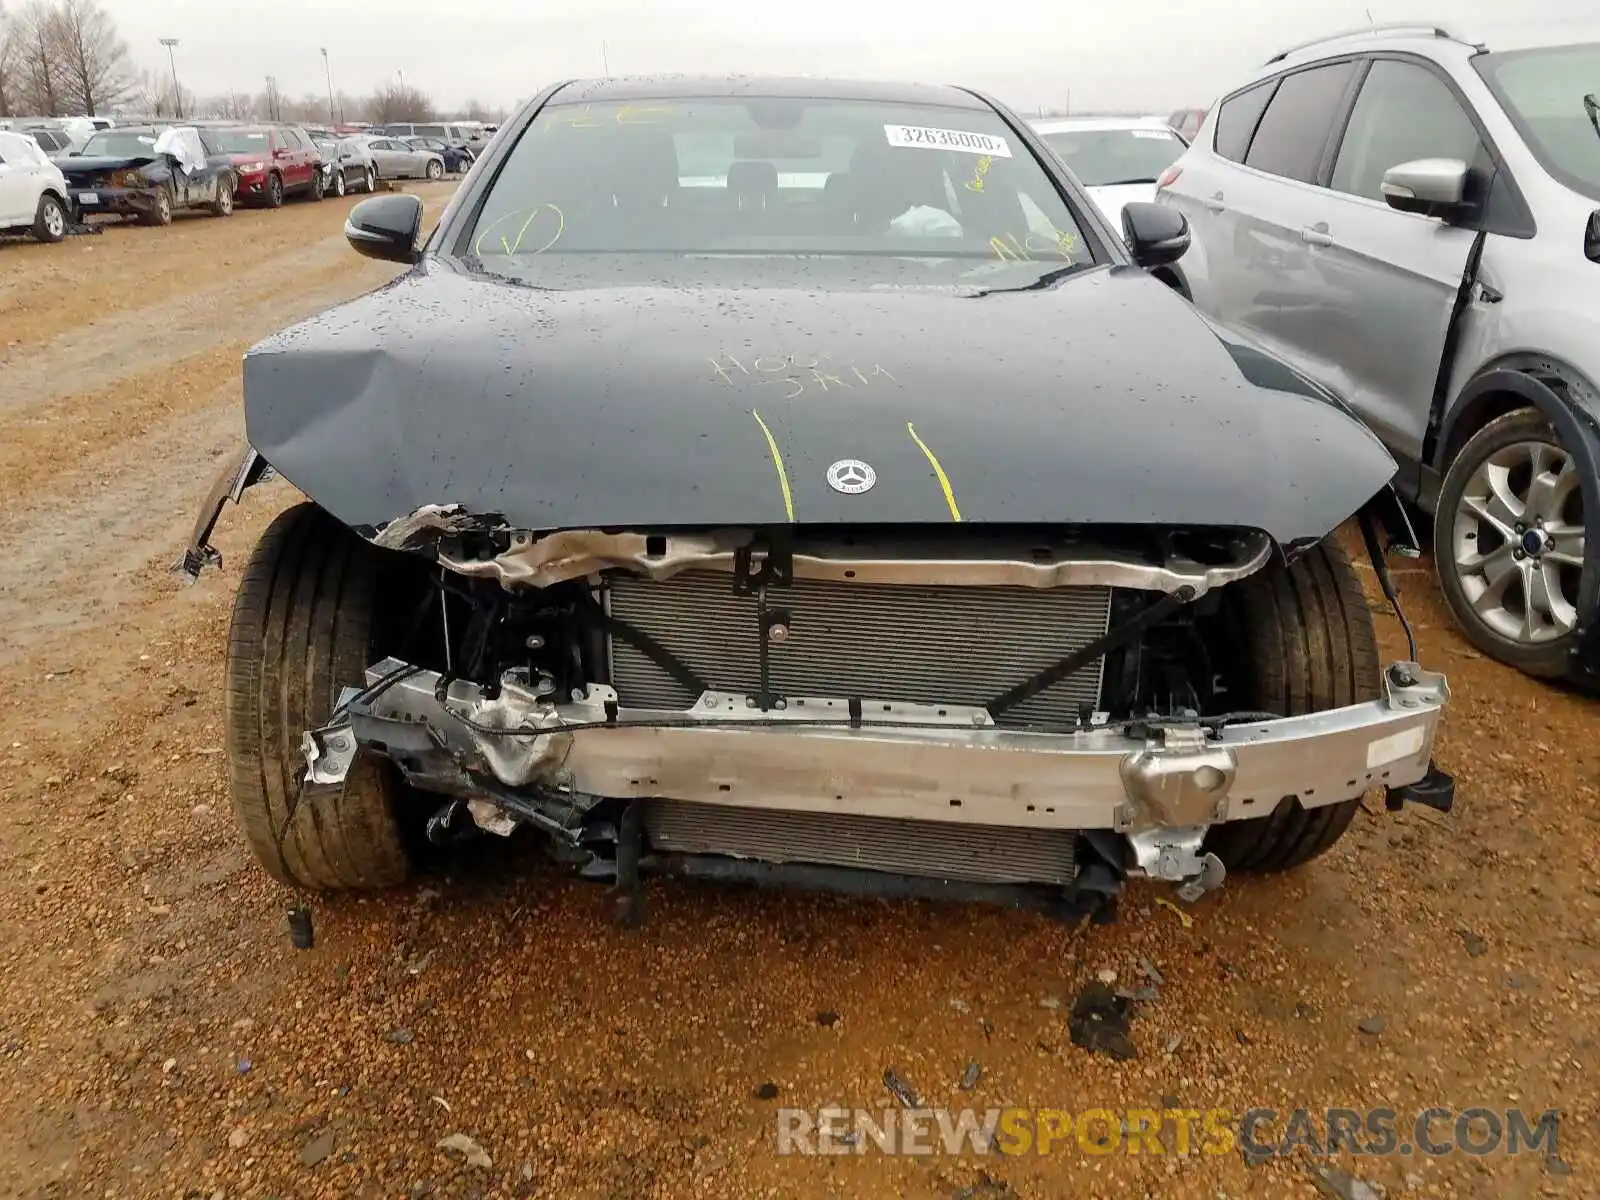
[272, 162]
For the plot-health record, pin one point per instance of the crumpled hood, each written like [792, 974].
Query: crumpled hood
[1101, 399]
[93, 166]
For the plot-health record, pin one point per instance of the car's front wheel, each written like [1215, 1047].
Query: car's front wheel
[1303, 642]
[304, 624]
[274, 191]
[161, 209]
[338, 182]
[1508, 540]
[49, 220]
[319, 185]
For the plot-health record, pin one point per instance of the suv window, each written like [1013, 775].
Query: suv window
[1404, 112]
[1294, 129]
[429, 131]
[1237, 120]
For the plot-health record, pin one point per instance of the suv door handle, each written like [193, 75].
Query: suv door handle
[1317, 235]
[1214, 202]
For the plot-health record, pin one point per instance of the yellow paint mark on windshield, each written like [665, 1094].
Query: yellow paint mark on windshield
[777, 462]
[1056, 243]
[514, 245]
[975, 184]
[933, 461]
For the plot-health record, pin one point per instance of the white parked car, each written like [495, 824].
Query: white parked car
[1119, 159]
[33, 191]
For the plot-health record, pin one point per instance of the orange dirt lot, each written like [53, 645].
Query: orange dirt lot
[159, 1037]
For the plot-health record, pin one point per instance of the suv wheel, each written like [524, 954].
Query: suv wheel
[1508, 543]
[274, 191]
[303, 628]
[50, 221]
[1305, 644]
[319, 185]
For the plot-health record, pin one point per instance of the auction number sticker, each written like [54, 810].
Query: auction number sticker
[923, 138]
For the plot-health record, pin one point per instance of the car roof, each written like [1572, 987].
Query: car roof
[666, 87]
[1063, 124]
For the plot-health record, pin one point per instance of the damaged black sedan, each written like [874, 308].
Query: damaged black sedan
[801, 483]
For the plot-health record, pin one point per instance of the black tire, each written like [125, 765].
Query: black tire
[49, 220]
[435, 169]
[274, 190]
[338, 183]
[1306, 643]
[1545, 660]
[161, 212]
[222, 206]
[319, 187]
[302, 629]
[370, 182]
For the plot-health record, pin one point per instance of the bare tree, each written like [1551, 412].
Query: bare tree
[399, 102]
[10, 82]
[234, 106]
[94, 62]
[41, 89]
[153, 96]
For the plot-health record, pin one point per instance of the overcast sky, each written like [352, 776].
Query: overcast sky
[1151, 54]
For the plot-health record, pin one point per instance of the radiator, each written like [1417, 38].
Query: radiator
[941, 850]
[933, 645]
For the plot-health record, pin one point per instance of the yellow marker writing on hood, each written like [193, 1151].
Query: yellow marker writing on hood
[777, 461]
[933, 461]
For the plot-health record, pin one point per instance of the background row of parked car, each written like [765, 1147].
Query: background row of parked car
[54, 175]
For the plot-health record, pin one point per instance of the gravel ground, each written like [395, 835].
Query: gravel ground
[158, 1036]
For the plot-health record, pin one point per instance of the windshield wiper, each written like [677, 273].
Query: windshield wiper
[1125, 182]
[1592, 107]
[1038, 285]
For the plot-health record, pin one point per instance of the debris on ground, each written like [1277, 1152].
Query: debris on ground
[1188, 921]
[900, 1089]
[1373, 1025]
[461, 1144]
[970, 1077]
[1341, 1185]
[317, 1149]
[1099, 1022]
[1475, 944]
[827, 1018]
[767, 1091]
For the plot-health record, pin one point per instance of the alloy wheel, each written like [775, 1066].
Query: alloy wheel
[1518, 542]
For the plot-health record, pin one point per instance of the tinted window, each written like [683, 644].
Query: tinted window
[1404, 112]
[429, 130]
[1294, 129]
[1236, 120]
[950, 186]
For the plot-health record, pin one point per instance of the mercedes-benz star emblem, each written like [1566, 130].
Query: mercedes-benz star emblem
[851, 476]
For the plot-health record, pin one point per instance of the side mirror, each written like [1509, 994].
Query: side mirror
[387, 228]
[1432, 187]
[1156, 235]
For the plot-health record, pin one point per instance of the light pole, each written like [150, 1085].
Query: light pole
[177, 92]
[328, 73]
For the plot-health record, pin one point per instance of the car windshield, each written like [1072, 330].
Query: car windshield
[243, 141]
[1552, 95]
[1105, 157]
[122, 144]
[775, 177]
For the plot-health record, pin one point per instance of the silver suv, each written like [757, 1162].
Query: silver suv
[1413, 220]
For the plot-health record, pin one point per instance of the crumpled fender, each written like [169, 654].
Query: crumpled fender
[1579, 430]
[244, 469]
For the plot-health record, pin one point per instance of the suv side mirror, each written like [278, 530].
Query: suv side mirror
[1156, 235]
[387, 228]
[1432, 187]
